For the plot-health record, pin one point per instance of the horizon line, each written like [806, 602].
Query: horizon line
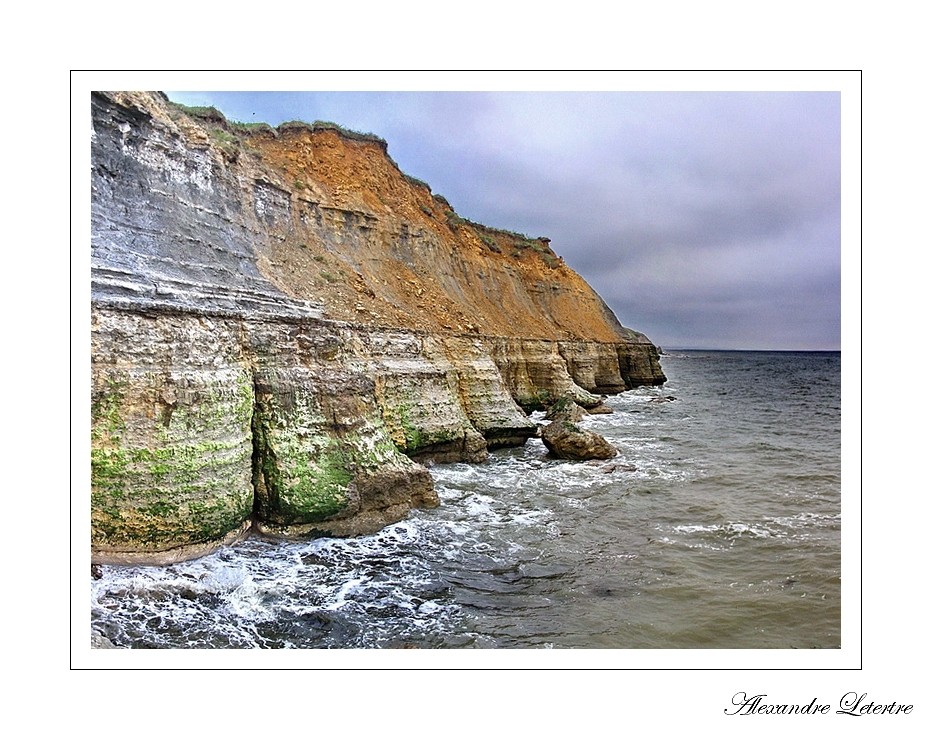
[664, 350]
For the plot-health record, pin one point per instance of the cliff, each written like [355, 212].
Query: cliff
[285, 327]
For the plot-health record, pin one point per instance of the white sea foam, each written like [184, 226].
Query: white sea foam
[342, 596]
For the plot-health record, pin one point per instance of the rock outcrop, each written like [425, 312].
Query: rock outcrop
[566, 409]
[565, 440]
[285, 328]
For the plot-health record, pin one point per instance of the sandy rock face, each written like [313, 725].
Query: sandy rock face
[284, 326]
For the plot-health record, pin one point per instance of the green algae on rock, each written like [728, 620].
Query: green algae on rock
[317, 435]
[170, 458]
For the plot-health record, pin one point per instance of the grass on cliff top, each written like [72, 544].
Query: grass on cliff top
[201, 112]
[251, 128]
[519, 243]
[331, 126]
[537, 242]
[416, 182]
[209, 114]
[495, 239]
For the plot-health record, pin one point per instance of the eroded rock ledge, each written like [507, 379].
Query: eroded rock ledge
[286, 329]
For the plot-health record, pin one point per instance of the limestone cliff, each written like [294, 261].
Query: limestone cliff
[285, 326]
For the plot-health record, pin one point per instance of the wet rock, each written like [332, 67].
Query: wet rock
[566, 409]
[601, 409]
[619, 468]
[568, 441]
[100, 641]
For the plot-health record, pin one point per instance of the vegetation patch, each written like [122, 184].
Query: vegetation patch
[109, 469]
[490, 243]
[331, 126]
[416, 182]
[152, 475]
[538, 400]
[454, 221]
[251, 128]
[302, 469]
[299, 484]
[201, 112]
[562, 404]
[223, 137]
[225, 133]
[411, 436]
[316, 489]
[225, 141]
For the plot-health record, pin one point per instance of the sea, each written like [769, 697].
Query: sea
[717, 526]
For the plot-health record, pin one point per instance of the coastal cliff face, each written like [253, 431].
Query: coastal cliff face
[286, 329]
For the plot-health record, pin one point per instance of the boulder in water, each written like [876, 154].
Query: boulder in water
[566, 440]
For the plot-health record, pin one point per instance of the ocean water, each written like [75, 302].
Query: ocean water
[725, 534]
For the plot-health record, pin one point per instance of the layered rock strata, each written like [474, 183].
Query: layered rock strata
[285, 327]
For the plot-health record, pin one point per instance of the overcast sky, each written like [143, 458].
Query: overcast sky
[705, 220]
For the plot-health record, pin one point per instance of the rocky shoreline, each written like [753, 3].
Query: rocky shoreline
[256, 361]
